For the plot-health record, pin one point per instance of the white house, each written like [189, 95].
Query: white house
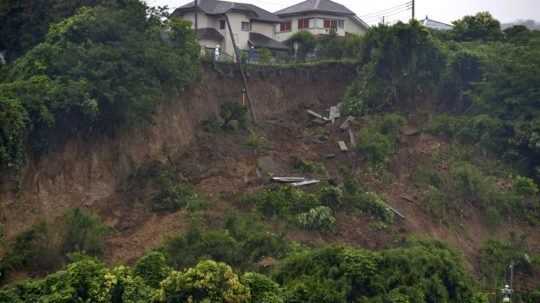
[319, 17]
[251, 25]
[436, 25]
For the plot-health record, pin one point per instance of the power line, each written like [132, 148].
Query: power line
[377, 18]
[384, 11]
[388, 14]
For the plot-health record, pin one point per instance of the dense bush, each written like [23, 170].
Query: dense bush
[372, 204]
[495, 258]
[102, 69]
[420, 272]
[416, 272]
[209, 281]
[86, 280]
[378, 140]
[83, 232]
[482, 27]
[233, 111]
[263, 289]
[400, 64]
[319, 218]
[306, 42]
[286, 202]
[46, 246]
[242, 243]
[152, 268]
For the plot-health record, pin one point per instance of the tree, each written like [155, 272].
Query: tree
[482, 27]
[400, 64]
[306, 43]
[94, 73]
[209, 281]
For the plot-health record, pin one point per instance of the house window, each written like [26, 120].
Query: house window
[221, 24]
[341, 23]
[285, 26]
[303, 23]
[328, 23]
[246, 26]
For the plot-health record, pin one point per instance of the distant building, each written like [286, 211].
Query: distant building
[436, 25]
[251, 25]
[320, 17]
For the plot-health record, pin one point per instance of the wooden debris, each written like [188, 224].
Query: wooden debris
[288, 179]
[408, 198]
[352, 138]
[304, 183]
[347, 123]
[343, 146]
[334, 114]
[316, 115]
[319, 121]
[395, 211]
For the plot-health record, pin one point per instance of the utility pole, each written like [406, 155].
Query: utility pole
[196, 15]
[413, 8]
[245, 89]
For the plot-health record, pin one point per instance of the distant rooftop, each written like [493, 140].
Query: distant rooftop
[322, 6]
[215, 7]
[437, 25]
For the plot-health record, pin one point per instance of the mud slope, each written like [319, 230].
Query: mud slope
[88, 174]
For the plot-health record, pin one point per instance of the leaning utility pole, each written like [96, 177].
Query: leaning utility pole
[196, 15]
[244, 79]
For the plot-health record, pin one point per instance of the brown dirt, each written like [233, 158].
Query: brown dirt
[91, 174]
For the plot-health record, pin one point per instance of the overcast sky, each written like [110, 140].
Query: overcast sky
[441, 10]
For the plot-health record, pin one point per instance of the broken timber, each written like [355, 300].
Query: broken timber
[317, 116]
[288, 179]
[307, 182]
[352, 137]
[347, 123]
[343, 146]
[395, 211]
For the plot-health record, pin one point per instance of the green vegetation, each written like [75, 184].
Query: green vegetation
[168, 191]
[209, 281]
[378, 140]
[46, 246]
[102, 69]
[400, 65]
[315, 210]
[233, 111]
[418, 272]
[265, 56]
[467, 185]
[318, 218]
[242, 243]
[325, 47]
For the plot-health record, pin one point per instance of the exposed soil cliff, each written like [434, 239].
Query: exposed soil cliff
[88, 174]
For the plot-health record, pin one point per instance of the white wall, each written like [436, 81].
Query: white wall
[353, 27]
[265, 28]
[236, 19]
[316, 26]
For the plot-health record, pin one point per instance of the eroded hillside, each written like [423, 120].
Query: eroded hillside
[108, 176]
